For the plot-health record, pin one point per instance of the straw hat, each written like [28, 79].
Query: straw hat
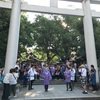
[82, 66]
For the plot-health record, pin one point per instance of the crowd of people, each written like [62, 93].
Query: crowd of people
[29, 73]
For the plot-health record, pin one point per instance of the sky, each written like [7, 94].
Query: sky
[61, 4]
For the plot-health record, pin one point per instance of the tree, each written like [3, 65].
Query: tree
[76, 24]
[47, 35]
[53, 38]
[4, 26]
[96, 24]
[25, 37]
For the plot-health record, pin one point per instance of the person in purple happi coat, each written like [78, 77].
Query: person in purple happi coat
[47, 77]
[67, 75]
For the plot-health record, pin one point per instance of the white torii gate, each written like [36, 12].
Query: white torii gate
[17, 6]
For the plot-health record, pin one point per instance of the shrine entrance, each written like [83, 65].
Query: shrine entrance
[17, 6]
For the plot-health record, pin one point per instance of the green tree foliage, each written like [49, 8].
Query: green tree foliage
[96, 24]
[76, 24]
[54, 38]
[47, 36]
[4, 26]
[25, 38]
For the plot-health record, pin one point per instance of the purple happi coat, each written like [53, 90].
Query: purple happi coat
[47, 77]
[67, 75]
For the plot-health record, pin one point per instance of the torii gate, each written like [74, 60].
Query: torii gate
[17, 6]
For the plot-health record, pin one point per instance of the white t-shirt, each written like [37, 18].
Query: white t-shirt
[83, 72]
[73, 74]
[13, 80]
[31, 73]
[7, 78]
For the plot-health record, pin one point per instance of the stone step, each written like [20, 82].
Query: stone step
[53, 82]
[93, 98]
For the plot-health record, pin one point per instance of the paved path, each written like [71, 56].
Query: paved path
[55, 92]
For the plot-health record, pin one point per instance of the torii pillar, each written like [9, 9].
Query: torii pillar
[89, 37]
[13, 38]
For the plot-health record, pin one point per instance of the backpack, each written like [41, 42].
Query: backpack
[2, 78]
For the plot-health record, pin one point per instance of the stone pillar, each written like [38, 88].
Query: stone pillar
[13, 38]
[54, 3]
[89, 37]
